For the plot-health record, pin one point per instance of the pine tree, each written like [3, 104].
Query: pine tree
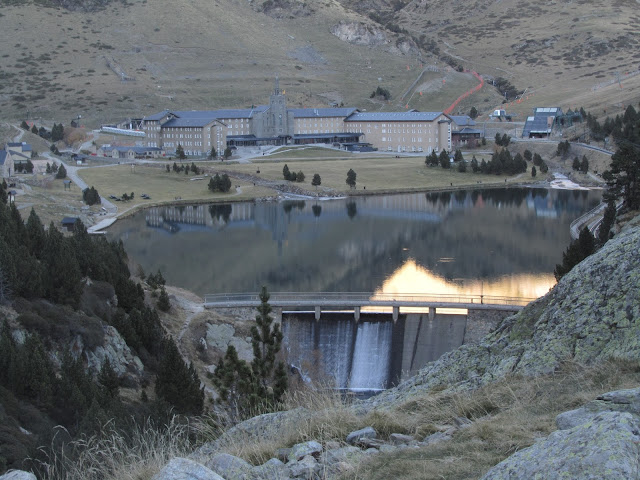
[285, 172]
[443, 158]
[316, 181]
[177, 383]
[163, 300]
[108, 379]
[351, 178]
[608, 220]
[266, 340]
[180, 152]
[234, 381]
[577, 251]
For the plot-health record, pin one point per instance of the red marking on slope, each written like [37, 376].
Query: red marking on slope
[466, 94]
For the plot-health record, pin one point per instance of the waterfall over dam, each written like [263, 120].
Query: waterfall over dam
[372, 354]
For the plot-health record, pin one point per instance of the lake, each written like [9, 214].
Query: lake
[502, 241]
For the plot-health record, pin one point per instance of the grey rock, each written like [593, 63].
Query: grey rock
[462, 422]
[183, 469]
[283, 454]
[301, 450]
[332, 445]
[573, 418]
[273, 469]
[230, 467]
[604, 448]
[367, 432]
[386, 448]
[365, 442]
[18, 475]
[344, 454]
[270, 426]
[304, 468]
[436, 438]
[399, 438]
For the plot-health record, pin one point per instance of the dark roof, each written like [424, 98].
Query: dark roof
[462, 120]
[393, 117]
[538, 123]
[467, 131]
[200, 118]
[188, 122]
[322, 112]
[69, 220]
[157, 116]
[25, 146]
[327, 135]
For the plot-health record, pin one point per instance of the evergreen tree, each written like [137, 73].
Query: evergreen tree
[225, 183]
[457, 157]
[24, 125]
[608, 220]
[473, 113]
[163, 300]
[577, 251]
[576, 163]
[285, 172]
[584, 164]
[498, 139]
[462, 166]
[506, 139]
[35, 234]
[300, 177]
[29, 166]
[444, 159]
[474, 164]
[212, 153]
[234, 381]
[533, 171]
[108, 379]
[528, 156]
[351, 178]
[177, 383]
[49, 168]
[180, 152]
[316, 181]
[63, 273]
[227, 152]
[34, 129]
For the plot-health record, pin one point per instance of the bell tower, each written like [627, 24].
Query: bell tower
[278, 118]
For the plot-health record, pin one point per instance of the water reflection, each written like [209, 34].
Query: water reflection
[500, 241]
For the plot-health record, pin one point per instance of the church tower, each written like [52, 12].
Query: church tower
[278, 123]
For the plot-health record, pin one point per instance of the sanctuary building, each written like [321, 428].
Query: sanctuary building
[198, 131]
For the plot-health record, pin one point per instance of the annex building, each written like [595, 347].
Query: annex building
[198, 131]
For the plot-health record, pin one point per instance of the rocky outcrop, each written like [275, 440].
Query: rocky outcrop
[18, 475]
[599, 441]
[592, 314]
[358, 33]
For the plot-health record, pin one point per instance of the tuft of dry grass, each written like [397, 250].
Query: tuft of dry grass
[114, 454]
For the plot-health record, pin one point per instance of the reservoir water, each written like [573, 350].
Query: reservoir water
[494, 242]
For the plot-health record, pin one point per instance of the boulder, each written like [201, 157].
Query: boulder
[181, 469]
[230, 467]
[304, 468]
[436, 438]
[399, 439]
[618, 401]
[367, 432]
[18, 475]
[604, 448]
[273, 469]
[301, 450]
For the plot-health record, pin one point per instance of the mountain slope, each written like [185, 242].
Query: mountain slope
[130, 59]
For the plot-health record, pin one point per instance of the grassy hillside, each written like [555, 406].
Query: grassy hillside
[131, 59]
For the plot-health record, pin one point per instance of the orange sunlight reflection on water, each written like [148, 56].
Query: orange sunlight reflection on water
[412, 278]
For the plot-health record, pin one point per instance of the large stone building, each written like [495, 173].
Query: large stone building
[275, 124]
[13, 155]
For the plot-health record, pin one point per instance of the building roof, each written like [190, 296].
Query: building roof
[157, 116]
[322, 112]
[393, 117]
[467, 131]
[69, 220]
[200, 118]
[462, 120]
[23, 145]
[539, 122]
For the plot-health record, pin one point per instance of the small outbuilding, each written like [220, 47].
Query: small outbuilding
[69, 222]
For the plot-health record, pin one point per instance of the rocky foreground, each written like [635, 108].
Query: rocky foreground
[591, 316]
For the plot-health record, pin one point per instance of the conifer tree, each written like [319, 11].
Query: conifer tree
[163, 300]
[577, 251]
[108, 379]
[177, 383]
[266, 340]
[234, 381]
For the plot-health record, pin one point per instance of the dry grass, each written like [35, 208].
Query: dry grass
[378, 173]
[507, 415]
[160, 185]
[114, 455]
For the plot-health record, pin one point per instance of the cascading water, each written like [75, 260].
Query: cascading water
[371, 356]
